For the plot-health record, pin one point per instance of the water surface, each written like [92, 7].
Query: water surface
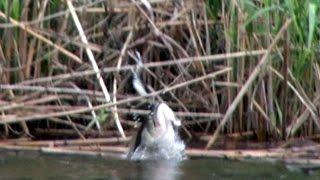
[20, 166]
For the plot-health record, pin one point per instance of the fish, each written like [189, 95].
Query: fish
[158, 131]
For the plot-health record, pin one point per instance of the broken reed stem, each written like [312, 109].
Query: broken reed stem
[211, 58]
[256, 72]
[4, 120]
[300, 97]
[95, 141]
[50, 89]
[93, 63]
[294, 127]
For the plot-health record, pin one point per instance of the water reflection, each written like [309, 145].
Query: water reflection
[159, 170]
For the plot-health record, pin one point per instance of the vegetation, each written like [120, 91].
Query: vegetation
[226, 67]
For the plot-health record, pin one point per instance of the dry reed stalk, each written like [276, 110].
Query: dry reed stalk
[52, 132]
[49, 89]
[66, 143]
[303, 100]
[100, 149]
[23, 37]
[42, 38]
[68, 123]
[177, 113]
[82, 110]
[119, 62]
[51, 16]
[9, 106]
[94, 64]
[182, 35]
[265, 116]
[256, 72]
[210, 58]
[278, 154]
[286, 58]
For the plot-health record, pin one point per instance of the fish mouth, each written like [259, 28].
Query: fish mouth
[176, 122]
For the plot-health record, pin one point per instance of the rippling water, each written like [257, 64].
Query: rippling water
[79, 167]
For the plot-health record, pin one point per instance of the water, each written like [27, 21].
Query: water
[79, 167]
[169, 147]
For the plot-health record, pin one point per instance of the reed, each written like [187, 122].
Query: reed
[225, 67]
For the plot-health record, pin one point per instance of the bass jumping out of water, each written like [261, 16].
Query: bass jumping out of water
[157, 137]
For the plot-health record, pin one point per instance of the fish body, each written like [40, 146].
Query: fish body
[157, 137]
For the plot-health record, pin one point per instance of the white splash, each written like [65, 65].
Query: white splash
[164, 148]
[158, 137]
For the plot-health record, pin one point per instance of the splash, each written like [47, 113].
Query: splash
[164, 148]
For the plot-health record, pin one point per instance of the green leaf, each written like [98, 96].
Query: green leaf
[292, 11]
[312, 22]
[16, 9]
[102, 116]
